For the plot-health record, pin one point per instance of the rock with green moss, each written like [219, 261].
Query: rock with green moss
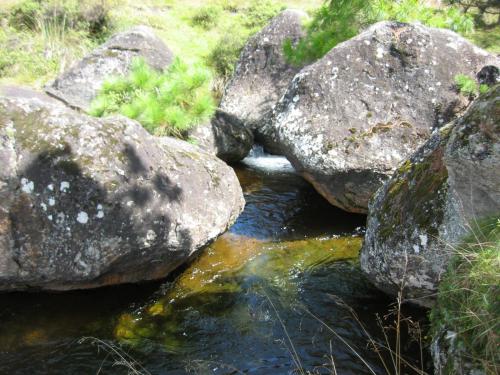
[88, 202]
[79, 85]
[432, 200]
[348, 120]
[262, 75]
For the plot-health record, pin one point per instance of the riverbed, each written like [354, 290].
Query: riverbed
[281, 292]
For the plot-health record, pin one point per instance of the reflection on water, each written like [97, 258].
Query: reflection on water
[289, 247]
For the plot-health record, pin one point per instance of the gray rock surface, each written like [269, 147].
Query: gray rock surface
[432, 201]
[262, 74]
[81, 83]
[349, 119]
[450, 357]
[224, 136]
[88, 202]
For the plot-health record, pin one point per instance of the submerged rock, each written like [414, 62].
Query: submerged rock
[437, 196]
[78, 86]
[224, 136]
[348, 120]
[88, 202]
[262, 74]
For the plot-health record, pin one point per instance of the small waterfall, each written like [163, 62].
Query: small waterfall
[257, 158]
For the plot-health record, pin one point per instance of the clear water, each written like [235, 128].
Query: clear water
[289, 249]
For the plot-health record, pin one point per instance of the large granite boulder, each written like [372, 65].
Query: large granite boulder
[78, 86]
[88, 202]
[433, 199]
[262, 74]
[224, 136]
[348, 120]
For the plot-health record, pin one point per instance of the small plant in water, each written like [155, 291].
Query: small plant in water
[166, 103]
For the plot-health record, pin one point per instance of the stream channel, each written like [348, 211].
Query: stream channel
[283, 274]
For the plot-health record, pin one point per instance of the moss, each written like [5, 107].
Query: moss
[405, 167]
[417, 190]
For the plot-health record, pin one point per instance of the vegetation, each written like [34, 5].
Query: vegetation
[468, 301]
[41, 38]
[206, 16]
[483, 10]
[166, 103]
[469, 87]
[339, 20]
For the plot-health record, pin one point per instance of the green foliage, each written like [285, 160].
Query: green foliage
[339, 20]
[468, 302]
[91, 17]
[469, 87]
[225, 54]
[166, 103]
[258, 13]
[466, 85]
[334, 22]
[206, 16]
[25, 14]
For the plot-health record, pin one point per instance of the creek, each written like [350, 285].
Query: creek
[275, 287]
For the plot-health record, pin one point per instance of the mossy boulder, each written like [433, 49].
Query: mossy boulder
[79, 85]
[263, 74]
[432, 200]
[347, 121]
[88, 202]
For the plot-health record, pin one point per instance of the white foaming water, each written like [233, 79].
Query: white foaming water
[257, 158]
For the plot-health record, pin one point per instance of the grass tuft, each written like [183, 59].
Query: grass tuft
[468, 86]
[468, 302]
[206, 16]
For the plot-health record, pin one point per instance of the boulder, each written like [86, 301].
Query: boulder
[432, 200]
[262, 74]
[349, 119]
[224, 136]
[88, 202]
[78, 86]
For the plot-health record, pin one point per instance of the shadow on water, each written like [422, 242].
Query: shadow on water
[289, 246]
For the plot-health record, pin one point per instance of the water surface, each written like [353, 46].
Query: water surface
[289, 255]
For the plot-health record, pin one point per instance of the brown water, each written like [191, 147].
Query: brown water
[289, 249]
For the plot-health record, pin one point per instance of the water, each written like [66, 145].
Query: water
[289, 255]
[258, 159]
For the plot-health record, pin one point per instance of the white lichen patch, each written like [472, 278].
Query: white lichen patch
[64, 186]
[27, 186]
[82, 217]
[380, 52]
[423, 240]
[150, 238]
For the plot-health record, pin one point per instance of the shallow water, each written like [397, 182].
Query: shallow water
[288, 256]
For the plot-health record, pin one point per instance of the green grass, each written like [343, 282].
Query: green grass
[30, 56]
[469, 87]
[167, 103]
[340, 20]
[468, 298]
